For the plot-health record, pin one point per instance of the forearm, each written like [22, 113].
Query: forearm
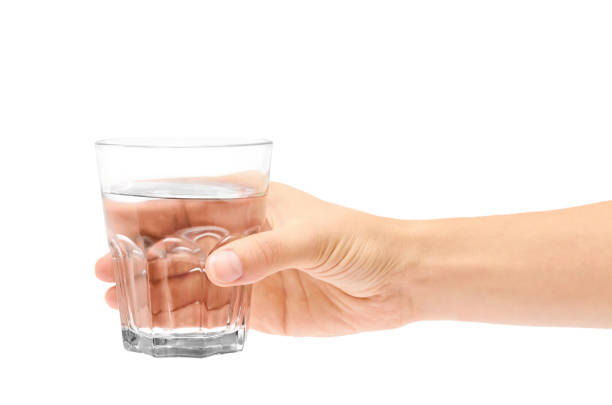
[544, 268]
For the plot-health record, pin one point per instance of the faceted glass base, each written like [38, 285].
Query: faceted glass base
[184, 345]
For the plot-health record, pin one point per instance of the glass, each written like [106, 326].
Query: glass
[168, 204]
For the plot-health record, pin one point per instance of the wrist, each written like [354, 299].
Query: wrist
[542, 268]
[432, 269]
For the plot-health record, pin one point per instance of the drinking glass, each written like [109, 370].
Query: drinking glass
[168, 204]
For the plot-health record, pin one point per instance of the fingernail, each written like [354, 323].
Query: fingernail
[225, 266]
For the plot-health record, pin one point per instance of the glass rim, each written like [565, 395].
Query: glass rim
[181, 143]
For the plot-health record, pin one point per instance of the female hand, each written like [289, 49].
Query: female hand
[318, 269]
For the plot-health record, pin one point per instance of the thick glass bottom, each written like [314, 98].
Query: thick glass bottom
[184, 345]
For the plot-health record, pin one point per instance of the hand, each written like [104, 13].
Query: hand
[317, 269]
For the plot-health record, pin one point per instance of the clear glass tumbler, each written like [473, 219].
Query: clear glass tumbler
[168, 204]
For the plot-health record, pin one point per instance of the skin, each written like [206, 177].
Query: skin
[319, 269]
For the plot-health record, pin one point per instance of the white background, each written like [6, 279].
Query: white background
[411, 109]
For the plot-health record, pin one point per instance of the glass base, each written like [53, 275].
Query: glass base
[185, 345]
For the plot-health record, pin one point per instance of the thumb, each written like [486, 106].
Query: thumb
[250, 259]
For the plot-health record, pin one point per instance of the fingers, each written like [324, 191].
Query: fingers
[176, 292]
[235, 215]
[104, 269]
[254, 257]
[172, 281]
[111, 297]
[157, 219]
[182, 310]
[173, 293]
[192, 315]
[153, 219]
[162, 268]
